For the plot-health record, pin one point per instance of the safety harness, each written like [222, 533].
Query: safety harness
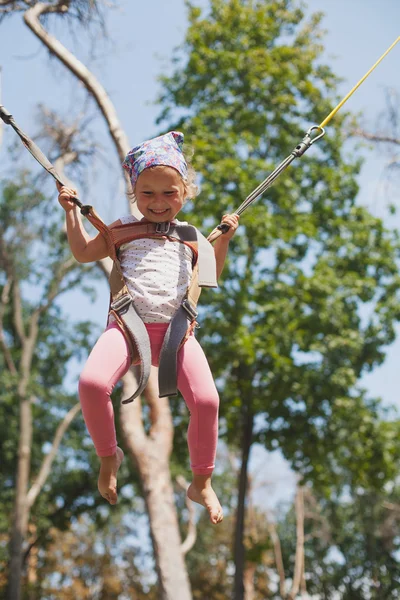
[122, 307]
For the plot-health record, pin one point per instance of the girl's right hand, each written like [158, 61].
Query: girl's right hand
[65, 195]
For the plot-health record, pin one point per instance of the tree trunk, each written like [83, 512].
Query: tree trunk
[151, 454]
[248, 581]
[299, 558]
[21, 508]
[164, 527]
[23, 498]
[32, 563]
[239, 549]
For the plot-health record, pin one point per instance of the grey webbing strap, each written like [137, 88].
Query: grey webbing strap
[185, 315]
[206, 259]
[126, 311]
[207, 264]
[167, 369]
[140, 338]
[124, 308]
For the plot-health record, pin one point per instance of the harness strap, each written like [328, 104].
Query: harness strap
[141, 355]
[174, 337]
[183, 322]
[182, 232]
[207, 271]
[122, 307]
[123, 310]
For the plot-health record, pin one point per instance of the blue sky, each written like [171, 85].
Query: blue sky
[142, 37]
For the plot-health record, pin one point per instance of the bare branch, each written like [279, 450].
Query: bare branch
[392, 506]
[17, 312]
[299, 559]
[276, 543]
[70, 143]
[248, 580]
[191, 536]
[376, 137]
[161, 422]
[48, 461]
[55, 288]
[31, 18]
[131, 418]
[9, 6]
[28, 347]
[5, 296]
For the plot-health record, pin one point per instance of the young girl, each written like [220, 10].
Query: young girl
[157, 273]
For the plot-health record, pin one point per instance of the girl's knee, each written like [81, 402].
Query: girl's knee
[89, 386]
[208, 403]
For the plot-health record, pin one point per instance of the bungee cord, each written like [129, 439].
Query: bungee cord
[351, 92]
[307, 141]
[314, 133]
[35, 151]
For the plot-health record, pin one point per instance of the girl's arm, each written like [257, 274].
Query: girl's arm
[84, 248]
[222, 243]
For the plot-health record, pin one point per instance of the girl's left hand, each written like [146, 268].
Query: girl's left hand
[233, 222]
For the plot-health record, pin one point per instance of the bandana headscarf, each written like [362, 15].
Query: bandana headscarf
[165, 150]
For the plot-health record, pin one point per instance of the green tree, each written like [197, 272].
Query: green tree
[310, 294]
[149, 449]
[88, 562]
[40, 488]
[352, 544]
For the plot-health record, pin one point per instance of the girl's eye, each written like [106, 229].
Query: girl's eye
[168, 193]
[147, 193]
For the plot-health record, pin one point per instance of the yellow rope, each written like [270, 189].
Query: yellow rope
[333, 113]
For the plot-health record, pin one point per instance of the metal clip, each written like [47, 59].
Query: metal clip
[191, 311]
[308, 141]
[163, 227]
[120, 303]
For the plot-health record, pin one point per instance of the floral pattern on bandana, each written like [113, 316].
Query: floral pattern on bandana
[165, 150]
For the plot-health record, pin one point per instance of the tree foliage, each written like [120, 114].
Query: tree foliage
[35, 269]
[351, 545]
[309, 298]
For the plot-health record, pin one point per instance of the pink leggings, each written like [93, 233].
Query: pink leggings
[110, 360]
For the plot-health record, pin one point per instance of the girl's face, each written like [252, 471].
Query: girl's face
[160, 193]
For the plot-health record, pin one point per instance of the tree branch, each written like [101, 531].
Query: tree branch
[55, 288]
[131, 418]
[299, 560]
[10, 6]
[48, 460]
[5, 296]
[160, 414]
[17, 312]
[31, 18]
[376, 137]
[276, 543]
[191, 536]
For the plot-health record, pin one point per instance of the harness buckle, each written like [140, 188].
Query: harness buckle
[163, 227]
[119, 304]
[191, 311]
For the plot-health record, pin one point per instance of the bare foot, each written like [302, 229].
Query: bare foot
[107, 482]
[200, 491]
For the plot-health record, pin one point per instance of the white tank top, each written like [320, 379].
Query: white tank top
[157, 273]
